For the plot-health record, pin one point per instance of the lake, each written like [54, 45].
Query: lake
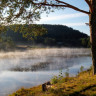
[33, 67]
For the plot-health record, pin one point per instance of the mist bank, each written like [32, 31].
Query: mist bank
[42, 59]
[46, 52]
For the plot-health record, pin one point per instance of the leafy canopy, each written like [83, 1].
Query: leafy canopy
[27, 11]
[30, 32]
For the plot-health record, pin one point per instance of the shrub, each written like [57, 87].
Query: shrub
[81, 68]
[54, 80]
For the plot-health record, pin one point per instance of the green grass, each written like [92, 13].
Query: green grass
[84, 84]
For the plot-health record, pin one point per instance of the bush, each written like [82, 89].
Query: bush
[54, 80]
[60, 78]
[81, 68]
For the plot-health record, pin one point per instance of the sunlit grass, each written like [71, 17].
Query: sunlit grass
[84, 84]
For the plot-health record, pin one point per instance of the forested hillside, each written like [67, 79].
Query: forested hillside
[57, 35]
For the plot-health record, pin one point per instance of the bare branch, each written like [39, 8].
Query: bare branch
[87, 24]
[73, 7]
[89, 4]
[62, 5]
[45, 2]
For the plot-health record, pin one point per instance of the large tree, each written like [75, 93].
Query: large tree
[30, 10]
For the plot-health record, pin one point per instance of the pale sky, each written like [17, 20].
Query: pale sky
[69, 17]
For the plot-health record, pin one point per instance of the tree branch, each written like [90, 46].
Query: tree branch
[33, 11]
[62, 5]
[20, 11]
[73, 7]
[89, 4]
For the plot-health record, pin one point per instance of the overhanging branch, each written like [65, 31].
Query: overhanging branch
[72, 7]
[64, 4]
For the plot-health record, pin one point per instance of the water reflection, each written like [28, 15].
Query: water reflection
[56, 63]
[10, 81]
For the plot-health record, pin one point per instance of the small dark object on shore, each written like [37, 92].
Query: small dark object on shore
[48, 83]
[44, 86]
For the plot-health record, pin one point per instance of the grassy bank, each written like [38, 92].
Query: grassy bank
[84, 84]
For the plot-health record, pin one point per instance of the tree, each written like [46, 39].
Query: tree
[30, 10]
[29, 32]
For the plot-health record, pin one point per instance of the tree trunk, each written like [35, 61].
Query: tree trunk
[92, 23]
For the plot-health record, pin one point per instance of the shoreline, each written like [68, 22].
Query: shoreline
[84, 84]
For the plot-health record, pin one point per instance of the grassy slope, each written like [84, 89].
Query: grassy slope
[82, 85]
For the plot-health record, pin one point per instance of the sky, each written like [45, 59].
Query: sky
[69, 17]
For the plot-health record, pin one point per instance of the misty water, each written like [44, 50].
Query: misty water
[33, 67]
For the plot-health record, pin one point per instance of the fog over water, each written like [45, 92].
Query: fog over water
[33, 67]
[39, 57]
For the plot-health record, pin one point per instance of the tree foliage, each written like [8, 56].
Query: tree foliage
[5, 41]
[29, 31]
[27, 11]
[21, 11]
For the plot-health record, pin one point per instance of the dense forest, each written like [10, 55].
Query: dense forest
[57, 35]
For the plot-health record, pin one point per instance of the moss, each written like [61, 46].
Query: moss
[82, 85]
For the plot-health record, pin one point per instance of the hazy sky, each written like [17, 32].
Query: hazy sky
[69, 17]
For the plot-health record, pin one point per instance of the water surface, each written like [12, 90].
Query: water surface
[33, 67]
